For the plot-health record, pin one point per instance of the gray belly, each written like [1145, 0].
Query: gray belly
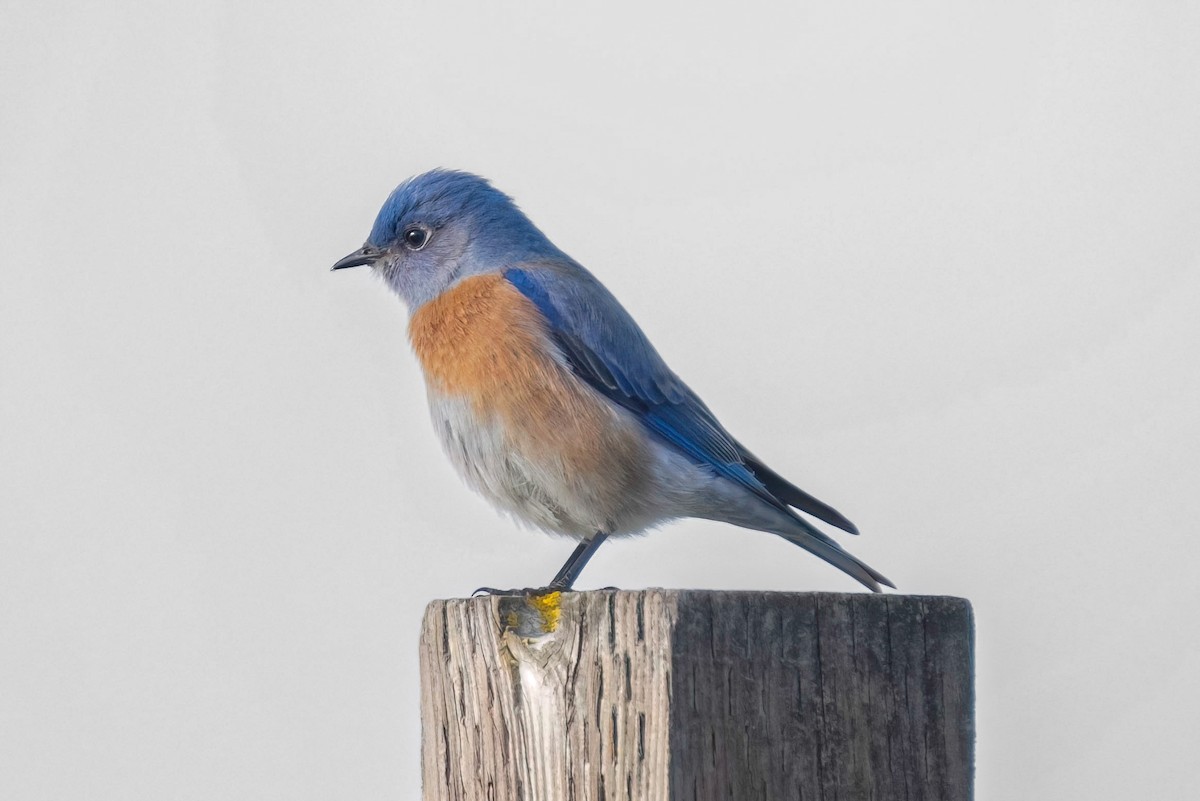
[545, 493]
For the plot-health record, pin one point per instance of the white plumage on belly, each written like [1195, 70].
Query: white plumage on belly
[543, 490]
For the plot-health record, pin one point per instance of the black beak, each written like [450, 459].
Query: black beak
[364, 255]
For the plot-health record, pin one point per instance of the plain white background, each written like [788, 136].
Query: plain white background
[937, 263]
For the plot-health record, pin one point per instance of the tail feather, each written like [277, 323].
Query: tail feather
[792, 495]
[815, 542]
[734, 503]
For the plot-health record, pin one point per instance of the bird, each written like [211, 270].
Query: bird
[547, 396]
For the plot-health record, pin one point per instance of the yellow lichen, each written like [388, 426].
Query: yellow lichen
[549, 606]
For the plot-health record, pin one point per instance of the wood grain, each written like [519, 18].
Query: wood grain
[670, 695]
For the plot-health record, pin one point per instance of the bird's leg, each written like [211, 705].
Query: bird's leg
[575, 563]
[565, 578]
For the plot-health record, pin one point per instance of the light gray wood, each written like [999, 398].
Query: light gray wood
[666, 695]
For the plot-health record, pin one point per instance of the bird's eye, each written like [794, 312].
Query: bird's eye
[415, 238]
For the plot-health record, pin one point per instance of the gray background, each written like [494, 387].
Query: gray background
[936, 263]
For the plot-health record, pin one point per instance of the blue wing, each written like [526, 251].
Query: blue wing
[607, 350]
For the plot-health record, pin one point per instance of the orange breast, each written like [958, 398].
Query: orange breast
[484, 341]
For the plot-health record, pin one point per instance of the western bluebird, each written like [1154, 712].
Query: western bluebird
[547, 396]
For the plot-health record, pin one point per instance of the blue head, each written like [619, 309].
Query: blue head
[440, 227]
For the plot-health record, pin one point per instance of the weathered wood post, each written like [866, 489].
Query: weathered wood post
[661, 695]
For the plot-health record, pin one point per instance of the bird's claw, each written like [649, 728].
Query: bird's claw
[527, 592]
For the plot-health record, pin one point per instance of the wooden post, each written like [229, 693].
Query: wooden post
[665, 695]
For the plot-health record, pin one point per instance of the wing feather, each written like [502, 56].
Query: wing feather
[605, 348]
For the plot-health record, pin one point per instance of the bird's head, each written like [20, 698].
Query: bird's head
[440, 227]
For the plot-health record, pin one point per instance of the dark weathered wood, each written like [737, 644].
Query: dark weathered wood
[665, 694]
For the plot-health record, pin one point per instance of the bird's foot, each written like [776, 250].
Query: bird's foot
[524, 592]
